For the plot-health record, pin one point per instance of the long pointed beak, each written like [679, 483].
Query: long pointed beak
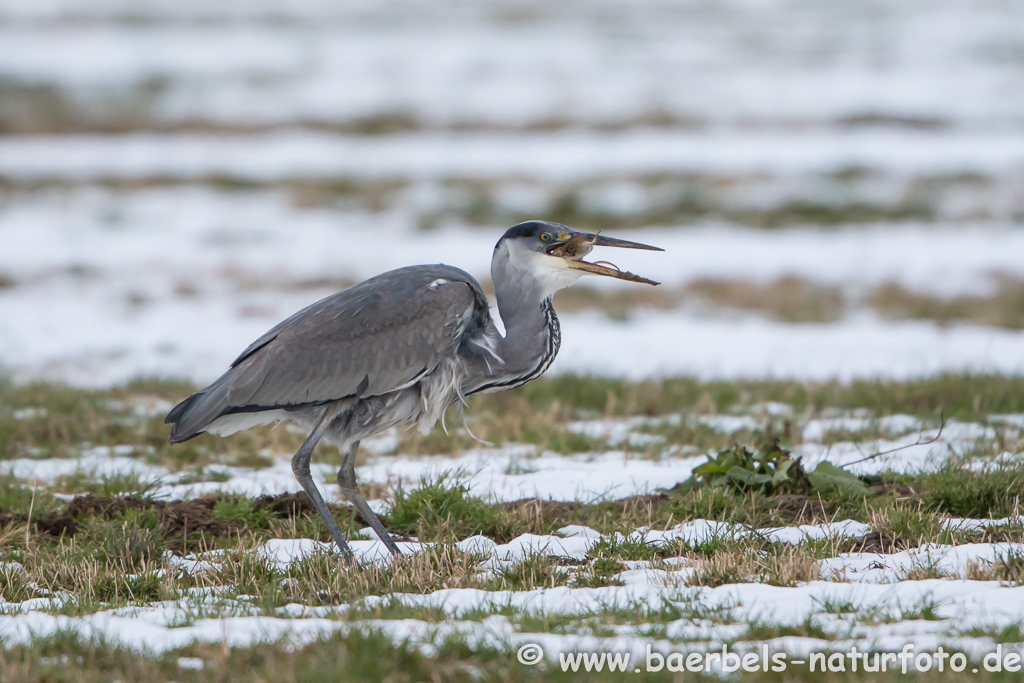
[579, 245]
[602, 241]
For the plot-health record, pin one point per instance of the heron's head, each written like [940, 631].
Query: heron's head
[552, 254]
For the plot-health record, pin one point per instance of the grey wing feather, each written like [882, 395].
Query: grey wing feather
[374, 338]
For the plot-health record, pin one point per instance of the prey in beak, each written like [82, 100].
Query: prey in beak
[579, 244]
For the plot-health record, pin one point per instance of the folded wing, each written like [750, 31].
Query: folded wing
[376, 337]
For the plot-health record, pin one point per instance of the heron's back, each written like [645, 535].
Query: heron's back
[410, 328]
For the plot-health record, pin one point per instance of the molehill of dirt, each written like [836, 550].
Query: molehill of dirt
[181, 521]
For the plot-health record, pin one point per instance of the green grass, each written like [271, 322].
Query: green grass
[832, 605]
[107, 485]
[17, 497]
[65, 420]
[925, 609]
[441, 508]
[109, 549]
[966, 397]
[203, 474]
[761, 629]
[961, 492]
[395, 608]
[636, 548]
[906, 510]
[356, 655]
[1005, 633]
[536, 570]
[133, 542]
[1009, 566]
[242, 511]
[14, 583]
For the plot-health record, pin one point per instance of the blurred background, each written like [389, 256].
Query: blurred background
[839, 185]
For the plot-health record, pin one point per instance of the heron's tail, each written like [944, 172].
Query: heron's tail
[191, 417]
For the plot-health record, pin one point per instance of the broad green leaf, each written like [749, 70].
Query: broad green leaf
[745, 476]
[710, 468]
[827, 476]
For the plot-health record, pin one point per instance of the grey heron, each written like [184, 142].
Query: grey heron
[399, 349]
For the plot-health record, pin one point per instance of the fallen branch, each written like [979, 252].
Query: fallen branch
[919, 442]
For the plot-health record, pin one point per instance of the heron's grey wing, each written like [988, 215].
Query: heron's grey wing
[370, 339]
[366, 341]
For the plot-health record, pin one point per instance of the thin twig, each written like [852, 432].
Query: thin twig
[919, 442]
[28, 523]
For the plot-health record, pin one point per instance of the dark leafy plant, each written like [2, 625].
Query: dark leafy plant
[770, 469]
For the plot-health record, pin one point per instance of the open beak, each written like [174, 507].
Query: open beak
[580, 244]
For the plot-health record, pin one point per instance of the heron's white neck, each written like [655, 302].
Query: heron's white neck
[524, 282]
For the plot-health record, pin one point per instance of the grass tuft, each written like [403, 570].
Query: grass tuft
[443, 509]
[535, 570]
[243, 511]
[780, 565]
[956, 490]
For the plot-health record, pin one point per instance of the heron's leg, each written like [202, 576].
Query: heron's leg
[347, 482]
[300, 466]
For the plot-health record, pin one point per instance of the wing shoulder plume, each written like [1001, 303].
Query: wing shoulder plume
[371, 339]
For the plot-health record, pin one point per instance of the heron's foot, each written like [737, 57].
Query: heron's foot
[359, 502]
[349, 489]
[332, 527]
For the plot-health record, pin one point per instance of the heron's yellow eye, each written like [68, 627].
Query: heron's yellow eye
[545, 237]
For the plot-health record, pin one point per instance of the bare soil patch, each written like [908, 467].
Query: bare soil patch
[184, 523]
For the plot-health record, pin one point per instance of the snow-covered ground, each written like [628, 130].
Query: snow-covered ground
[557, 156]
[176, 176]
[871, 601]
[737, 62]
[878, 608]
[635, 462]
[160, 165]
[107, 287]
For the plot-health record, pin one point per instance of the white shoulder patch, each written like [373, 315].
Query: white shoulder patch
[437, 283]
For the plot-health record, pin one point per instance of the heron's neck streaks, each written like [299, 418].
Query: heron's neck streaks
[531, 341]
[523, 289]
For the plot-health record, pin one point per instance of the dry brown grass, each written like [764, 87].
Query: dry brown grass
[781, 565]
[922, 571]
[90, 579]
[910, 520]
[979, 571]
[94, 580]
[789, 299]
[517, 421]
[798, 300]
[325, 578]
[14, 583]
[1008, 568]
[1004, 308]
[435, 568]
[617, 303]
